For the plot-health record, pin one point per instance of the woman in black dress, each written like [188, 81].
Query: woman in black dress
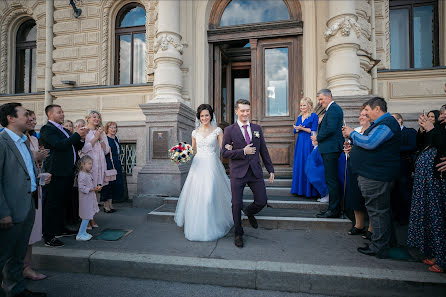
[115, 189]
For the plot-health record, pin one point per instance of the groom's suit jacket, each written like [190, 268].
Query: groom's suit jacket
[239, 162]
[329, 135]
[15, 182]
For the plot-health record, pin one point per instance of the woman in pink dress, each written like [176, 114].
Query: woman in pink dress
[36, 233]
[97, 150]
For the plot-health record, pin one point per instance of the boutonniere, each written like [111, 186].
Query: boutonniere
[257, 134]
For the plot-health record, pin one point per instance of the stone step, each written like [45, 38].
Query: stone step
[276, 202]
[270, 218]
[279, 183]
[271, 191]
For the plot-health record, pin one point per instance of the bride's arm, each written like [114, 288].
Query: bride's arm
[194, 145]
[220, 140]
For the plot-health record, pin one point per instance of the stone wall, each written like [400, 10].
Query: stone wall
[382, 33]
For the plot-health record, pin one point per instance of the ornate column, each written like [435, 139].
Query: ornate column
[342, 37]
[168, 119]
[168, 80]
[49, 52]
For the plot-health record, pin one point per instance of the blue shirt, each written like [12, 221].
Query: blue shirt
[378, 135]
[26, 155]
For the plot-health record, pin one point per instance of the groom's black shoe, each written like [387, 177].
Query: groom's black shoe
[252, 220]
[328, 214]
[238, 241]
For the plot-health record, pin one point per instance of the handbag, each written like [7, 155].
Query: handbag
[110, 174]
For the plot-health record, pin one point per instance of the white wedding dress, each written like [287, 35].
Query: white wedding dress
[204, 206]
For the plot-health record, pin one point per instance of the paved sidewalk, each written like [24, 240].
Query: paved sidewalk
[291, 251]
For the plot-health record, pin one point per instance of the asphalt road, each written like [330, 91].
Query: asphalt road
[59, 284]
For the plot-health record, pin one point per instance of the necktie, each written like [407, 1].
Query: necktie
[248, 140]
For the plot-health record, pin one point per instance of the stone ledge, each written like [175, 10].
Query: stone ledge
[264, 275]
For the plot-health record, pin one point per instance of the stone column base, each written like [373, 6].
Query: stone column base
[167, 124]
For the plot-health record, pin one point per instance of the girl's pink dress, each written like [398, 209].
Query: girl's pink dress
[88, 204]
[98, 155]
[36, 233]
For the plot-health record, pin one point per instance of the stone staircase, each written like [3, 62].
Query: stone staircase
[284, 211]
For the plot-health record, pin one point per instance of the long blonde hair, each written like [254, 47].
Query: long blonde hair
[90, 114]
[309, 103]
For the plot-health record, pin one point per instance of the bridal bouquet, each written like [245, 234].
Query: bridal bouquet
[181, 153]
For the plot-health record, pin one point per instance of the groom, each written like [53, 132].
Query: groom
[247, 143]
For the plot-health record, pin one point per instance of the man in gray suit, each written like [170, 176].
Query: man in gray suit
[18, 186]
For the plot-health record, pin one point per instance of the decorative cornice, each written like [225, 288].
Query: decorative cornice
[345, 25]
[165, 40]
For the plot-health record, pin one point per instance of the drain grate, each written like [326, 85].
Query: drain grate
[112, 234]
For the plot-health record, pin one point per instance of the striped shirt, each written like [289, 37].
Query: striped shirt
[377, 136]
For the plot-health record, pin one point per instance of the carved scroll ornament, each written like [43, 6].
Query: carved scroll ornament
[345, 25]
[165, 40]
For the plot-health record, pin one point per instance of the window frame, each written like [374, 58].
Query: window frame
[24, 45]
[120, 31]
[410, 4]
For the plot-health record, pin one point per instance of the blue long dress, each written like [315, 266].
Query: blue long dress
[301, 185]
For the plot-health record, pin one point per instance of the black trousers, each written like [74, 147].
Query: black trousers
[58, 196]
[331, 177]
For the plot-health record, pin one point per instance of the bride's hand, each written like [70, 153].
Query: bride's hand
[228, 147]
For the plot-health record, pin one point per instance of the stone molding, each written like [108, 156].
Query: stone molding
[166, 40]
[5, 26]
[346, 25]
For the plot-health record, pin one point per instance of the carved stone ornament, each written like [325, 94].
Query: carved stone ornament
[163, 42]
[345, 25]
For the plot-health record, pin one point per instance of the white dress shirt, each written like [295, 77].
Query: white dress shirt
[240, 124]
[329, 105]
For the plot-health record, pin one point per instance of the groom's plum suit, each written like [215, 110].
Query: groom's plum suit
[246, 169]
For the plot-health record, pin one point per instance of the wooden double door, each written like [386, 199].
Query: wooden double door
[267, 72]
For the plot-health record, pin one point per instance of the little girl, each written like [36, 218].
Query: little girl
[88, 204]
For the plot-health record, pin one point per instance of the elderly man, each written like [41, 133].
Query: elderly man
[18, 187]
[330, 143]
[375, 158]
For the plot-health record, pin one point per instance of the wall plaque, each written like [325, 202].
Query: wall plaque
[159, 145]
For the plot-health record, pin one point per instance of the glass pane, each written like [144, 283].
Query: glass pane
[26, 77]
[33, 71]
[399, 39]
[20, 85]
[27, 31]
[134, 17]
[32, 34]
[423, 36]
[276, 81]
[241, 91]
[124, 59]
[240, 12]
[139, 58]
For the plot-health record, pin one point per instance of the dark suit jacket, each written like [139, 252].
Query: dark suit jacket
[60, 162]
[15, 182]
[239, 162]
[329, 136]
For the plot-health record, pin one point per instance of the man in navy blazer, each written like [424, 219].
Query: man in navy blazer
[330, 143]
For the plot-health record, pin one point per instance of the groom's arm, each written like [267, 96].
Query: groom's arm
[234, 154]
[265, 154]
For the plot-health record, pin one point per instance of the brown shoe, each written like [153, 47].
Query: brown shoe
[238, 241]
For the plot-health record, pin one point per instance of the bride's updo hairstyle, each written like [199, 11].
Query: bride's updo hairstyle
[205, 107]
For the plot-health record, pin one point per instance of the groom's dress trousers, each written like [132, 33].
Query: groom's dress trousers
[331, 141]
[246, 169]
[18, 183]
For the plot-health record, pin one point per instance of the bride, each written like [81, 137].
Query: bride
[204, 206]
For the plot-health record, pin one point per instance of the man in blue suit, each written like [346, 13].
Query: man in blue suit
[330, 141]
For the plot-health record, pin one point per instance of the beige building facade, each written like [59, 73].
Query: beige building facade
[147, 64]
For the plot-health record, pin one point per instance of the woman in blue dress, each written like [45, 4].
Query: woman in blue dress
[306, 123]
[114, 191]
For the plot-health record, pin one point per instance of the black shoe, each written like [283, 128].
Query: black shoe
[366, 251]
[66, 232]
[28, 293]
[329, 214]
[54, 242]
[238, 241]
[367, 235]
[356, 231]
[321, 212]
[252, 220]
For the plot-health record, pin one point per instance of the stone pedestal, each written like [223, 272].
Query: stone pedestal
[166, 125]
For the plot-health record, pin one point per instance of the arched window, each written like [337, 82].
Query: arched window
[130, 40]
[25, 76]
[240, 12]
